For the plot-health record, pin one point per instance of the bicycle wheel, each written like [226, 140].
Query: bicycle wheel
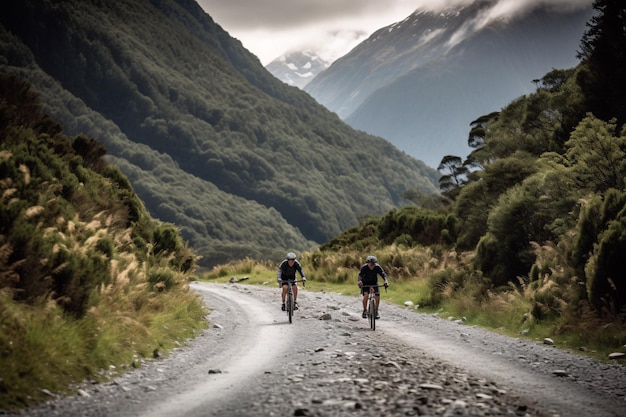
[290, 304]
[371, 311]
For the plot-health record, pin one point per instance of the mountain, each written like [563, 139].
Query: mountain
[242, 163]
[297, 68]
[420, 82]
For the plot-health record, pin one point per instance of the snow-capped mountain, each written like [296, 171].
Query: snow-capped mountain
[297, 68]
[420, 82]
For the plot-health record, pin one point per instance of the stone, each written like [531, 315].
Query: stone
[431, 386]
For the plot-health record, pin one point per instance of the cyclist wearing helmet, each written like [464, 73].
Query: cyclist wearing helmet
[368, 277]
[287, 272]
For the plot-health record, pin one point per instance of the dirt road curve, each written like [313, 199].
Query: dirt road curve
[251, 362]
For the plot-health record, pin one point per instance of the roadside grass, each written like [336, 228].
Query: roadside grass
[508, 311]
[45, 351]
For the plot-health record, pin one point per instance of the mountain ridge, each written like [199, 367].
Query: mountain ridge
[375, 87]
[244, 164]
[297, 68]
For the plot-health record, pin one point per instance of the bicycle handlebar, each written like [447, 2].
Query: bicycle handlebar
[374, 286]
[287, 281]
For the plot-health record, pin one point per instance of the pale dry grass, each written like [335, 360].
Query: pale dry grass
[8, 192]
[26, 172]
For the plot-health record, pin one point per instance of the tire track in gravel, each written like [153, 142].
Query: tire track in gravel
[251, 348]
[491, 356]
[524, 368]
[413, 364]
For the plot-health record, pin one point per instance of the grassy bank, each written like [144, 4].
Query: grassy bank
[438, 282]
[46, 352]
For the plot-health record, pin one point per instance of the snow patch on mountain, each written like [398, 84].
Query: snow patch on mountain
[297, 68]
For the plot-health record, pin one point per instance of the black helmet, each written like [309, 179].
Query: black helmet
[291, 255]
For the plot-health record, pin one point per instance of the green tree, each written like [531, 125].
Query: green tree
[597, 155]
[604, 57]
[599, 248]
[529, 212]
[454, 173]
[606, 278]
[476, 140]
[472, 207]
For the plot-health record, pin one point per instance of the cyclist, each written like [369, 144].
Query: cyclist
[287, 272]
[368, 276]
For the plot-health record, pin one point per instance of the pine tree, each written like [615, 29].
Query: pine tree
[603, 54]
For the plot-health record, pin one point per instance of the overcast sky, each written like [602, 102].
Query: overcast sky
[269, 28]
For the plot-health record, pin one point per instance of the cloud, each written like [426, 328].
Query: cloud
[508, 10]
[279, 15]
[269, 28]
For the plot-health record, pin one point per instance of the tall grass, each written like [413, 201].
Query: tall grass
[45, 350]
[435, 279]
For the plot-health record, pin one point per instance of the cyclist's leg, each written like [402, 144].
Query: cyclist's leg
[365, 298]
[294, 289]
[284, 293]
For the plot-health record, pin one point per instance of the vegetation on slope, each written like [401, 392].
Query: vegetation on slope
[531, 235]
[244, 164]
[529, 238]
[87, 278]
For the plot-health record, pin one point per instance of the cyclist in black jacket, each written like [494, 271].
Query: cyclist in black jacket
[287, 272]
[368, 276]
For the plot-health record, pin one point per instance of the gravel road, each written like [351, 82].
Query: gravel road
[252, 362]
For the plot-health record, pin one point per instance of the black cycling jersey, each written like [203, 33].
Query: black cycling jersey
[370, 276]
[288, 273]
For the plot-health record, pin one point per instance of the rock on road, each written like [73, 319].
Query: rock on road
[252, 362]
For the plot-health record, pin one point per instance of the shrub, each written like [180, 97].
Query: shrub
[161, 279]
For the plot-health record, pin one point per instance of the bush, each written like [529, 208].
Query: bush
[606, 278]
[442, 285]
[162, 279]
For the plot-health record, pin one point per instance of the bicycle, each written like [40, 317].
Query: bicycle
[372, 309]
[289, 301]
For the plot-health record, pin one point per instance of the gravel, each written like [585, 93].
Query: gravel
[252, 362]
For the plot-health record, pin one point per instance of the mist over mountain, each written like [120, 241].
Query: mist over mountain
[242, 163]
[297, 68]
[420, 82]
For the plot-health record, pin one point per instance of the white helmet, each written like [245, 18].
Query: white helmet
[291, 255]
[370, 258]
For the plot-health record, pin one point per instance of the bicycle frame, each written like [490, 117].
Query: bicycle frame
[372, 307]
[289, 301]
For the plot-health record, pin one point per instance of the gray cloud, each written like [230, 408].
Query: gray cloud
[270, 28]
[283, 14]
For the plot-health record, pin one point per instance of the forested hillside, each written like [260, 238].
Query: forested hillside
[244, 164]
[534, 226]
[88, 280]
[421, 81]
